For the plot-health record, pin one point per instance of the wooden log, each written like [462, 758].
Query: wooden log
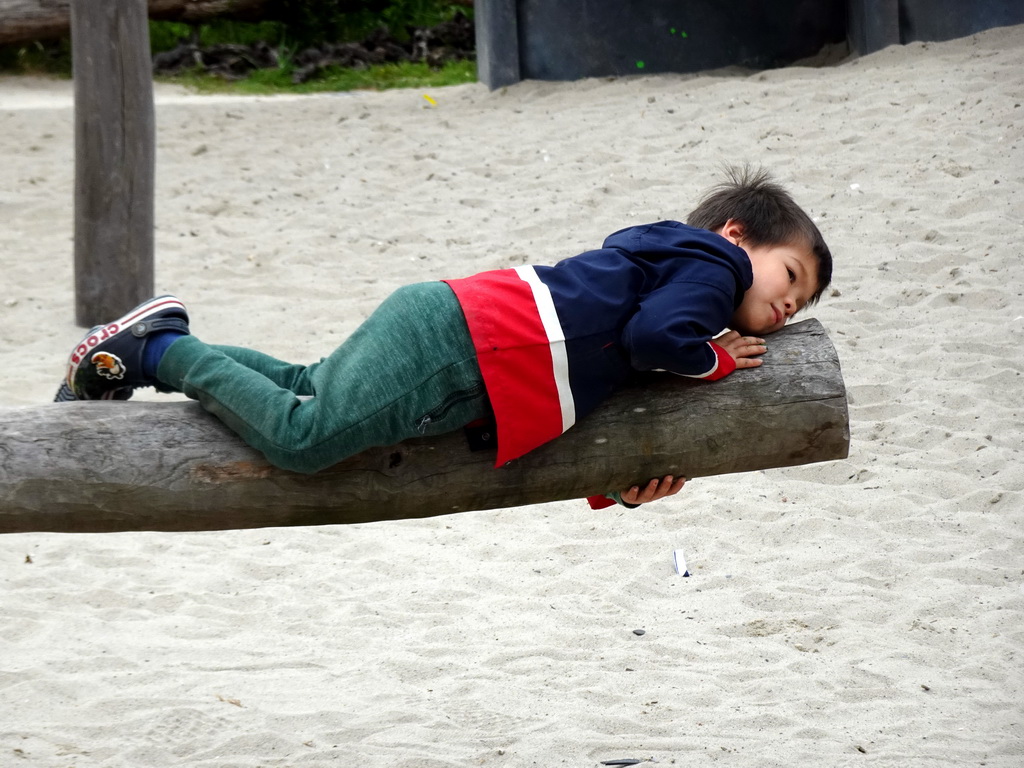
[26, 20]
[124, 466]
[115, 158]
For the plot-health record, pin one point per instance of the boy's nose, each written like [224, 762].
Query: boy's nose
[793, 305]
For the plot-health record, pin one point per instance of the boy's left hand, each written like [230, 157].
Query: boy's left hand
[742, 349]
[658, 488]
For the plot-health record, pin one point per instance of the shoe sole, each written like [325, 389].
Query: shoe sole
[102, 333]
[67, 395]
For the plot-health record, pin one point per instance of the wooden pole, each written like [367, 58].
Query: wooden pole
[116, 466]
[114, 158]
[497, 43]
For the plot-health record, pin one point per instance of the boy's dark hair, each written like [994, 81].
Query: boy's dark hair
[768, 214]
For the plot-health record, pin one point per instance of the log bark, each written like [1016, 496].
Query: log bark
[124, 466]
[26, 20]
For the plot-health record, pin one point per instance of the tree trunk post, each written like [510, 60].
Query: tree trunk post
[114, 158]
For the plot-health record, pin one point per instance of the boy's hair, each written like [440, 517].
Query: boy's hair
[768, 214]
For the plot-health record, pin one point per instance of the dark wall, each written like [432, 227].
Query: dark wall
[571, 39]
[949, 19]
[875, 24]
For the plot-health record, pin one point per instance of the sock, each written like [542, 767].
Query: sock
[156, 345]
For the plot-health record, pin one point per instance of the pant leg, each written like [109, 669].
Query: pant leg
[290, 376]
[409, 370]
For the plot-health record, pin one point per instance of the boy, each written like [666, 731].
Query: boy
[533, 348]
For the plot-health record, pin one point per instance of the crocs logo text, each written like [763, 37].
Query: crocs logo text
[91, 341]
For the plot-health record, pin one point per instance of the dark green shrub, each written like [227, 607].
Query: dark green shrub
[309, 22]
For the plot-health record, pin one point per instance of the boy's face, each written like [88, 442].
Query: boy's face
[785, 278]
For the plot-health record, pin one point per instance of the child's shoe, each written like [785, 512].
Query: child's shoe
[67, 395]
[108, 363]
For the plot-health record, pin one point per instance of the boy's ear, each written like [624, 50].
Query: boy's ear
[733, 231]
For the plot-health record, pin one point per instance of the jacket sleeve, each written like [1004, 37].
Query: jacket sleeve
[608, 500]
[673, 328]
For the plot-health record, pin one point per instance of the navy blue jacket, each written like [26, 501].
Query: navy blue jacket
[553, 342]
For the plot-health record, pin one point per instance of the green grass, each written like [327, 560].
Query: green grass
[378, 78]
[54, 59]
[36, 59]
[165, 35]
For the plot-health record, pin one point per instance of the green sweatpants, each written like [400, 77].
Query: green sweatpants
[409, 370]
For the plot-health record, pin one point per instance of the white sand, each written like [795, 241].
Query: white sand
[862, 612]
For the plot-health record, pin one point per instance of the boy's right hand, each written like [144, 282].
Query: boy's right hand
[658, 488]
[742, 348]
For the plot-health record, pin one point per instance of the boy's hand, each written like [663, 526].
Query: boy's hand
[742, 348]
[654, 490]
